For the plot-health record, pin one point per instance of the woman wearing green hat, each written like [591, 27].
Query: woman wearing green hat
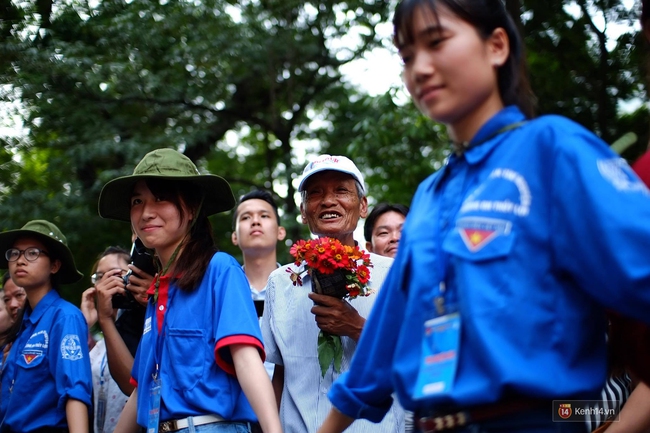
[46, 380]
[199, 364]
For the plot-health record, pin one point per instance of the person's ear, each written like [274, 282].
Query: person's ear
[369, 247]
[55, 266]
[233, 238]
[282, 233]
[498, 45]
[303, 215]
[363, 207]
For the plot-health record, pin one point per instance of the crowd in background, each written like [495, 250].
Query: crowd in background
[517, 278]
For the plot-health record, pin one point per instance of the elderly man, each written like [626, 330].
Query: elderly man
[333, 201]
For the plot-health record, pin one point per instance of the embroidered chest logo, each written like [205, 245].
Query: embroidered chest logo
[71, 347]
[147, 325]
[504, 192]
[38, 342]
[29, 357]
[476, 233]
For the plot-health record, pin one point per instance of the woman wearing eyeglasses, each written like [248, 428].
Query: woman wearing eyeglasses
[46, 380]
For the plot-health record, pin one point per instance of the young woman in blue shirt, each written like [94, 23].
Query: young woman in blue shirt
[199, 366]
[46, 378]
[494, 306]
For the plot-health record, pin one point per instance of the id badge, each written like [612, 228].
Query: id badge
[439, 360]
[154, 407]
[101, 409]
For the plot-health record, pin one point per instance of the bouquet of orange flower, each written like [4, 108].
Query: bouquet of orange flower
[337, 270]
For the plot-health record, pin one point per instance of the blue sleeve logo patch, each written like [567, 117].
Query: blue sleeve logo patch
[71, 348]
[617, 172]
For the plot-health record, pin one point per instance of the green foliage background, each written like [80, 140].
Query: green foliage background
[247, 89]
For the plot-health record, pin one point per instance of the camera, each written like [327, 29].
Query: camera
[142, 259]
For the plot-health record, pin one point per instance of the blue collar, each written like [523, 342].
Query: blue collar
[485, 139]
[33, 315]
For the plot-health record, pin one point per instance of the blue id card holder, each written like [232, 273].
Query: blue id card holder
[439, 359]
[154, 408]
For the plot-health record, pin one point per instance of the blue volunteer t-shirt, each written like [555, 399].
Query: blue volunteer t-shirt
[529, 236]
[48, 364]
[197, 329]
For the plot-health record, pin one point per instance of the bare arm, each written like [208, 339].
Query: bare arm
[336, 316]
[76, 413]
[128, 419]
[335, 422]
[635, 414]
[278, 383]
[256, 385]
[87, 306]
[120, 360]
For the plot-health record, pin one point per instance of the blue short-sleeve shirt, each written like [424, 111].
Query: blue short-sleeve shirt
[533, 233]
[197, 329]
[48, 364]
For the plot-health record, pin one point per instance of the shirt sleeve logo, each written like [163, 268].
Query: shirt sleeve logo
[71, 347]
[617, 172]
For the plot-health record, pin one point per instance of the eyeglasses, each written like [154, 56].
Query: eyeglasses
[31, 254]
[94, 278]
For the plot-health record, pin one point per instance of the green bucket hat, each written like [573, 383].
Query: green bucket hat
[164, 164]
[54, 241]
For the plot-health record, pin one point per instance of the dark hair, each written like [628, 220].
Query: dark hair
[199, 245]
[485, 16]
[378, 211]
[109, 251]
[259, 194]
[11, 334]
[645, 12]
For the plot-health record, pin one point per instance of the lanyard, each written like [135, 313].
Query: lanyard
[164, 271]
[160, 337]
[102, 368]
[102, 398]
[447, 208]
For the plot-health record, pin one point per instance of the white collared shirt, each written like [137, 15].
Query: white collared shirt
[291, 338]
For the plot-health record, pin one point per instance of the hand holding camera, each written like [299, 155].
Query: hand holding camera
[137, 280]
[109, 285]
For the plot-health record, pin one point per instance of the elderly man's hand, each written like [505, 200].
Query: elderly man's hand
[336, 316]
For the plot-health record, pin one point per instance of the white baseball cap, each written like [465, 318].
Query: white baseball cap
[334, 163]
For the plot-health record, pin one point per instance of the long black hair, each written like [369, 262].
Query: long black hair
[198, 246]
[485, 16]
